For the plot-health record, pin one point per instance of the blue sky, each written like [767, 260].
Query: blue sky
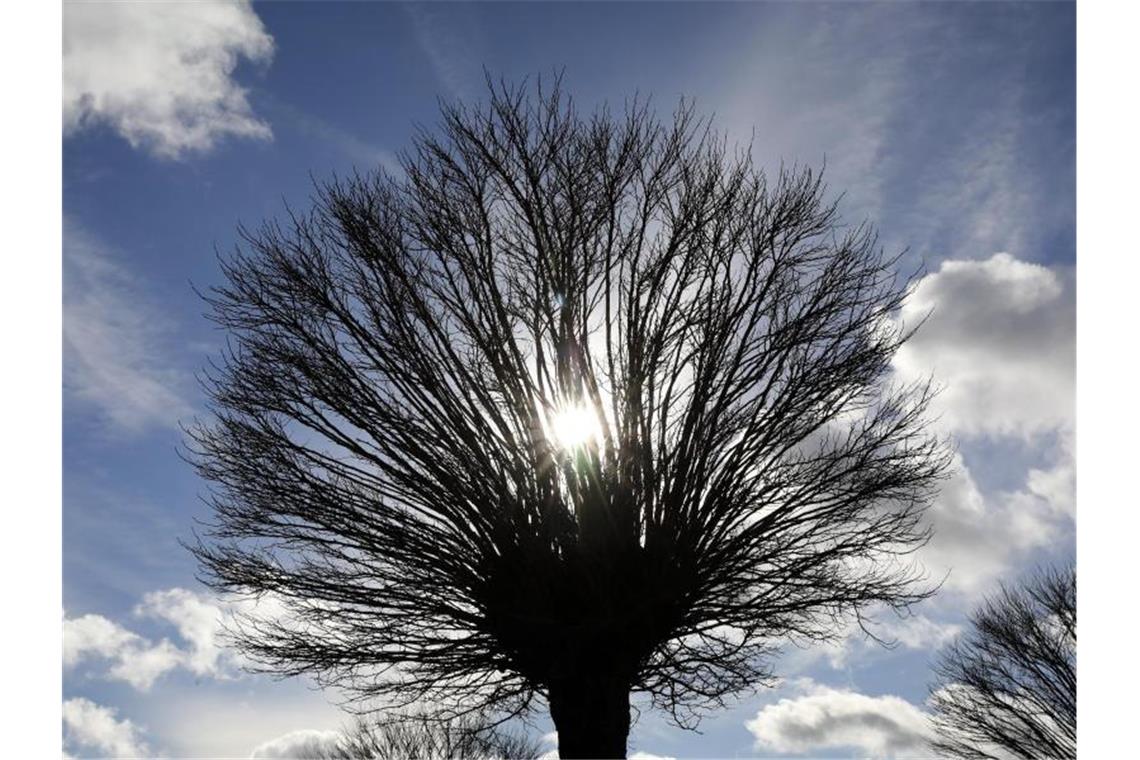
[951, 126]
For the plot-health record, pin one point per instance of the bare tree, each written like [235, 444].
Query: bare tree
[421, 737]
[577, 407]
[1009, 686]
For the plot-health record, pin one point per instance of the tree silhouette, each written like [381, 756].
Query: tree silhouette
[1009, 686]
[421, 736]
[576, 407]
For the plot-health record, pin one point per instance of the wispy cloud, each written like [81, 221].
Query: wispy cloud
[449, 35]
[116, 358]
[363, 154]
[825, 86]
[161, 74]
[868, 86]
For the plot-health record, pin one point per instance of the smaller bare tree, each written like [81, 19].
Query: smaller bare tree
[429, 738]
[1009, 686]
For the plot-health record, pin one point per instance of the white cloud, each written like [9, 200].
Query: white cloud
[94, 634]
[970, 536]
[95, 727]
[826, 718]
[113, 342]
[199, 623]
[639, 755]
[977, 538]
[161, 74]
[1001, 339]
[131, 657]
[143, 665]
[1001, 342]
[911, 632]
[918, 632]
[140, 661]
[297, 745]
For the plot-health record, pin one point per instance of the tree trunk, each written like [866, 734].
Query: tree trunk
[592, 717]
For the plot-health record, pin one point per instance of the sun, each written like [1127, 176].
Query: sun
[575, 426]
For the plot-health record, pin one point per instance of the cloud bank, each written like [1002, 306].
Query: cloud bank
[161, 74]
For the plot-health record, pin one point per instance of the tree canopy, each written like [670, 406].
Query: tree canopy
[574, 406]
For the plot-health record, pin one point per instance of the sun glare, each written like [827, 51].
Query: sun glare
[575, 426]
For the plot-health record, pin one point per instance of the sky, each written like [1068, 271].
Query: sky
[950, 126]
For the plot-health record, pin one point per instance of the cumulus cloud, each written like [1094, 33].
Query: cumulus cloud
[95, 727]
[128, 656]
[141, 666]
[94, 635]
[1001, 340]
[161, 74]
[298, 745]
[114, 341]
[140, 661]
[199, 623]
[827, 718]
[977, 538]
[972, 538]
